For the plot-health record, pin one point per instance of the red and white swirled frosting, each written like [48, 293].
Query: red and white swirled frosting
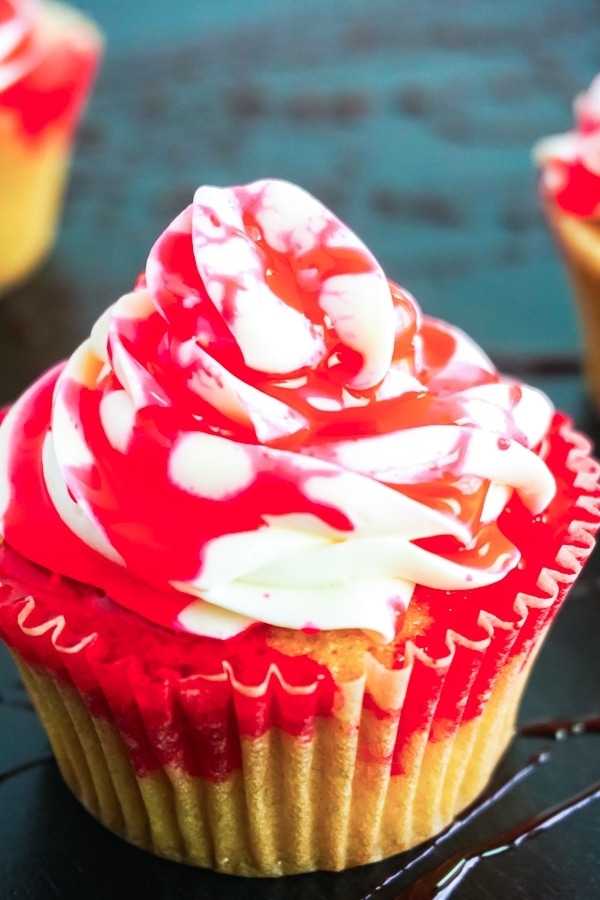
[570, 162]
[48, 57]
[18, 53]
[266, 429]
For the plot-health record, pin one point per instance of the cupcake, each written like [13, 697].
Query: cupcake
[48, 57]
[570, 185]
[280, 550]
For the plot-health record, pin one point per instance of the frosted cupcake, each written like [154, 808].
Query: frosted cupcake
[48, 57]
[279, 550]
[570, 184]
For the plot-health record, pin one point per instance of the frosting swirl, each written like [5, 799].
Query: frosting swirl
[266, 429]
[570, 162]
[48, 57]
[17, 53]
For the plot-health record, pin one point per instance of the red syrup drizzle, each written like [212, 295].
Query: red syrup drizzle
[441, 881]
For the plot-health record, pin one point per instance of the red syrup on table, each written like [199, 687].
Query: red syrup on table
[560, 729]
[441, 881]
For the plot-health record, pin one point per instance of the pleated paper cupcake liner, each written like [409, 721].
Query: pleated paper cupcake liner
[293, 805]
[578, 241]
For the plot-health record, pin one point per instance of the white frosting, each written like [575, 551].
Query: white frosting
[293, 567]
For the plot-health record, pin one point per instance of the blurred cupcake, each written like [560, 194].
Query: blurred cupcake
[570, 183]
[48, 57]
[279, 551]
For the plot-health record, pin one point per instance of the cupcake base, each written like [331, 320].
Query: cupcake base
[32, 180]
[579, 244]
[314, 805]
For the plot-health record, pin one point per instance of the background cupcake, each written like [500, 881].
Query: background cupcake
[48, 57]
[570, 183]
[299, 547]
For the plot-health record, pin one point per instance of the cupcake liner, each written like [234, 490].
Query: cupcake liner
[278, 775]
[578, 241]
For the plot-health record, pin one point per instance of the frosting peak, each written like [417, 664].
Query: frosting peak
[296, 287]
[266, 429]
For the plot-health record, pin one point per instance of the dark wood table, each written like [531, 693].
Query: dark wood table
[415, 123]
